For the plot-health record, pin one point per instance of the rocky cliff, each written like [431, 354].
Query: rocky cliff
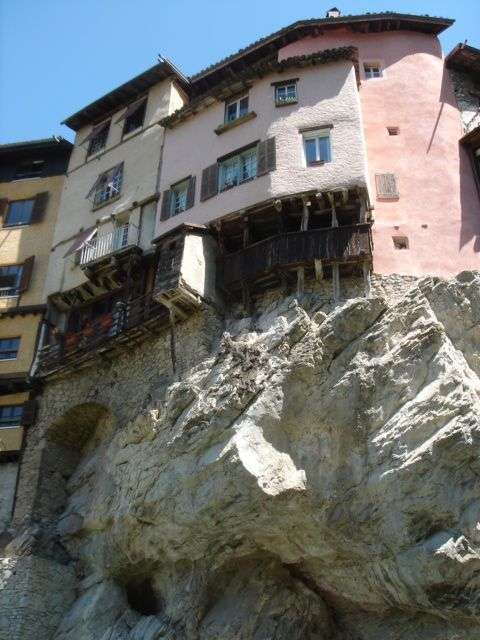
[314, 477]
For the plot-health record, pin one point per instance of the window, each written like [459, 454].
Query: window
[317, 147]
[286, 93]
[400, 242]
[19, 212]
[11, 415]
[108, 185]
[236, 109]
[134, 116]
[387, 187]
[9, 348]
[178, 201]
[30, 169]
[237, 169]
[98, 138]
[372, 70]
[393, 131]
[10, 277]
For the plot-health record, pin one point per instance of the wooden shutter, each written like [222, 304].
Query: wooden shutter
[266, 156]
[191, 192]
[386, 185]
[39, 206]
[166, 200]
[26, 274]
[209, 182]
[29, 411]
[3, 208]
[131, 109]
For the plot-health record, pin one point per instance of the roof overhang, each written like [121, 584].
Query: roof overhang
[367, 23]
[464, 58]
[121, 96]
[472, 138]
[45, 145]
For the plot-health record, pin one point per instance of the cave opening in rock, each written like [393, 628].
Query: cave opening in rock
[142, 597]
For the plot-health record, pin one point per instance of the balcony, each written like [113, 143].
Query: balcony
[334, 245]
[129, 323]
[122, 237]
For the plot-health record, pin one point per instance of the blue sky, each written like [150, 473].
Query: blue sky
[56, 56]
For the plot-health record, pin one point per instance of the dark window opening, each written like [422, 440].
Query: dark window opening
[393, 131]
[10, 277]
[31, 169]
[99, 140]
[11, 415]
[400, 242]
[135, 120]
[142, 598]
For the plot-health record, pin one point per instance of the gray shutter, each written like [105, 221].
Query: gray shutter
[191, 192]
[386, 184]
[166, 200]
[26, 274]
[3, 208]
[266, 156]
[209, 182]
[39, 206]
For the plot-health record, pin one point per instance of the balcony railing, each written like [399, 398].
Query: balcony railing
[121, 237]
[128, 321]
[335, 244]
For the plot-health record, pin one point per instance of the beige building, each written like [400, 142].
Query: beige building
[31, 179]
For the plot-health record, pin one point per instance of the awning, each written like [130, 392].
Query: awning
[80, 240]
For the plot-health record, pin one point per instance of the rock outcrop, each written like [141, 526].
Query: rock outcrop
[315, 478]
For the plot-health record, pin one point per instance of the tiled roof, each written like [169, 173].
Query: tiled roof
[54, 141]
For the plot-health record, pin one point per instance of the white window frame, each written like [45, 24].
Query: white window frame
[235, 166]
[370, 75]
[238, 113]
[178, 199]
[316, 134]
[286, 100]
[109, 186]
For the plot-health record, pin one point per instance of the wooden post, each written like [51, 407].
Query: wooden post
[300, 281]
[331, 197]
[366, 278]
[336, 281]
[305, 214]
[318, 270]
[246, 232]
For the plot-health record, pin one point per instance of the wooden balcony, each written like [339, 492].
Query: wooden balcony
[129, 324]
[334, 245]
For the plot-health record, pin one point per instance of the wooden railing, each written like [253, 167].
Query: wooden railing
[105, 331]
[335, 244]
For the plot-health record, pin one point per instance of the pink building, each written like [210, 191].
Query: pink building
[384, 116]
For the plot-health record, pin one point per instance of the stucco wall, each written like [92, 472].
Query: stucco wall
[140, 152]
[327, 96]
[438, 209]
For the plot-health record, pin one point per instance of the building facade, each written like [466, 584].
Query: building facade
[31, 180]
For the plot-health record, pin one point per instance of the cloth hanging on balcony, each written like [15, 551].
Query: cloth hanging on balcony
[81, 240]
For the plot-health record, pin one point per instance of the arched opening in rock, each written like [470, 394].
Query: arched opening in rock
[142, 597]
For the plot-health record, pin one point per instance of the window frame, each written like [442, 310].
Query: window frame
[238, 111]
[5, 350]
[316, 134]
[284, 85]
[104, 131]
[13, 292]
[236, 159]
[6, 223]
[104, 175]
[371, 64]
[174, 190]
[42, 164]
[14, 420]
[142, 108]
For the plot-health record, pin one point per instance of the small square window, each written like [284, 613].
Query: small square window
[9, 348]
[236, 109]
[19, 213]
[372, 70]
[237, 169]
[317, 147]
[10, 277]
[11, 415]
[400, 242]
[393, 131]
[178, 201]
[286, 93]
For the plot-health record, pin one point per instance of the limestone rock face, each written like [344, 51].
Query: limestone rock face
[316, 478]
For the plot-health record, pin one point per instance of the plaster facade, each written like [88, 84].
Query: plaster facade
[140, 151]
[438, 209]
[327, 96]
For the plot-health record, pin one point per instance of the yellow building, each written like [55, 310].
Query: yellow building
[31, 181]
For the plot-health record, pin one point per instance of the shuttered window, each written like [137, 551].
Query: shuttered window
[11, 415]
[19, 213]
[107, 186]
[9, 348]
[10, 276]
[97, 138]
[180, 197]
[209, 182]
[266, 156]
[386, 184]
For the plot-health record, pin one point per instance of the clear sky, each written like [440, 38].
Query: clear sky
[56, 56]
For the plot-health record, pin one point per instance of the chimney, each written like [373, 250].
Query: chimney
[333, 13]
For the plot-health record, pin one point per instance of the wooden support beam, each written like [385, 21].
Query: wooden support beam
[318, 270]
[246, 232]
[331, 197]
[305, 214]
[300, 281]
[336, 281]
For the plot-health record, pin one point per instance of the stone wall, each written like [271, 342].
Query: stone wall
[467, 92]
[8, 481]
